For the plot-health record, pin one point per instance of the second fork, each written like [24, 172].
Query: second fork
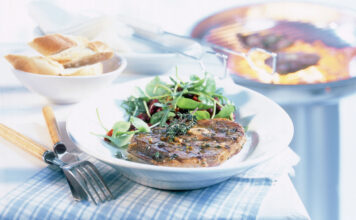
[91, 181]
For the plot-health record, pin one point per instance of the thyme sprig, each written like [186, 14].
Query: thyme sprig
[181, 125]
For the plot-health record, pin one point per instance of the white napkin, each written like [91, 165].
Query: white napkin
[51, 18]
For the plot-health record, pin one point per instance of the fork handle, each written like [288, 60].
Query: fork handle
[51, 123]
[22, 141]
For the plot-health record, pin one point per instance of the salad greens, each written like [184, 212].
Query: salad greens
[176, 105]
[202, 115]
[120, 134]
[161, 101]
[226, 112]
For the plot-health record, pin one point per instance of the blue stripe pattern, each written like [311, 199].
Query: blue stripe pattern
[47, 196]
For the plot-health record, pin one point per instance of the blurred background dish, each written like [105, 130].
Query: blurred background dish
[144, 59]
[325, 32]
[71, 89]
[150, 63]
[141, 57]
[310, 93]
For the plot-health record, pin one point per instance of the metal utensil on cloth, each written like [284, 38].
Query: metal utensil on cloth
[81, 176]
[44, 154]
[95, 187]
[193, 48]
[58, 146]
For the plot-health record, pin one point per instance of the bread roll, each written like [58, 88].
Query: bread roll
[52, 44]
[87, 60]
[63, 52]
[71, 54]
[98, 46]
[89, 70]
[84, 53]
[40, 65]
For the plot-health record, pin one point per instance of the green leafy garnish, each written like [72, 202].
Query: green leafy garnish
[202, 115]
[121, 126]
[100, 121]
[134, 106]
[176, 105]
[205, 99]
[180, 125]
[121, 134]
[190, 104]
[210, 87]
[120, 140]
[140, 125]
[177, 96]
[157, 88]
[156, 117]
[156, 155]
[226, 112]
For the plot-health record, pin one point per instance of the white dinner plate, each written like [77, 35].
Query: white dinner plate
[270, 130]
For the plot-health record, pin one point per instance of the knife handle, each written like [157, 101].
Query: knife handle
[51, 123]
[22, 141]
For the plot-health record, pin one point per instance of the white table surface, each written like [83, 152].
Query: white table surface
[21, 110]
[178, 16]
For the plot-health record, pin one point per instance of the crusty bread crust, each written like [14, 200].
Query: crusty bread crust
[84, 53]
[62, 53]
[71, 54]
[87, 60]
[52, 44]
[39, 65]
[98, 46]
[89, 70]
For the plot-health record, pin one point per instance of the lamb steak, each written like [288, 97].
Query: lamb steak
[208, 143]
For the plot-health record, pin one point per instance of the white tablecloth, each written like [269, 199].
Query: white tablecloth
[21, 110]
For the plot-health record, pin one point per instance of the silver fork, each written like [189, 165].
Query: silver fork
[87, 181]
[83, 178]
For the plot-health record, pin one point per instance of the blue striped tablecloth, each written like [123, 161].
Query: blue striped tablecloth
[47, 196]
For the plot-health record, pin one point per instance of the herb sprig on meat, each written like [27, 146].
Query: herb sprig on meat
[181, 125]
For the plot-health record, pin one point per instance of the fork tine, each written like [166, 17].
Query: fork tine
[79, 190]
[93, 183]
[96, 174]
[104, 189]
[88, 183]
[88, 179]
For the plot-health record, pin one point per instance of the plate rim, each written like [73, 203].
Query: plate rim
[166, 169]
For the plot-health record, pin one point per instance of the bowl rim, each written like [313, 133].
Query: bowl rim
[119, 70]
[144, 55]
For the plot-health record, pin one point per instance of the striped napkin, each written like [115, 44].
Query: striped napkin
[47, 196]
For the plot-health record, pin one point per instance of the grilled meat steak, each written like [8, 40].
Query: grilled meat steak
[292, 62]
[270, 42]
[208, 143]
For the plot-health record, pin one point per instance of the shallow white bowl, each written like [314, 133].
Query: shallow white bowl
[150, 63]
[71, 89]
[270, 130]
